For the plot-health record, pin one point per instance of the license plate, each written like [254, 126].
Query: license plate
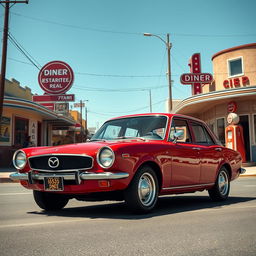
[53, 183]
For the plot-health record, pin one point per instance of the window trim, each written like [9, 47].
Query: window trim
[206, 130]
[228, 66]
[188, 127]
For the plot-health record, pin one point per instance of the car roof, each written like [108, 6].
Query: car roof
[158, 114]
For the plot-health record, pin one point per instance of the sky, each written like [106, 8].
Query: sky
[115, 65]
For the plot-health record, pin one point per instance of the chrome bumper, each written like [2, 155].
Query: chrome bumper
[30, 176]
[242, 170]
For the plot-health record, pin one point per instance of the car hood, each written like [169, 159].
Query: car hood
[88, 148]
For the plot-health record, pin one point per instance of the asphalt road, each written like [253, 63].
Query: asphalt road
[181, 225]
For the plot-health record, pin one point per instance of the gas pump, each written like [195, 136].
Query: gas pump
[234, 135]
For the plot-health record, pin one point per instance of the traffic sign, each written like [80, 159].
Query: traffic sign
[56, 77]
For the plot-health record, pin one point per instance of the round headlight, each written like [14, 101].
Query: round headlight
[106, 157]
[19, 159]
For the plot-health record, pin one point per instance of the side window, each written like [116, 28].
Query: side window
[201, 134]
[180, 125]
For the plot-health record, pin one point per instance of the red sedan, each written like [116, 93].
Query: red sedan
[133, 158]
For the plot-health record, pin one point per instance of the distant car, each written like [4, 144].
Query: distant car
[133, 158]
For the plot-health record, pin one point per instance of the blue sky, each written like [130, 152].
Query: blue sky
[103, 42]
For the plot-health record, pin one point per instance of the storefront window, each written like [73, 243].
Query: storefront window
[5, 129]
[21, 130]
[235, 67]
[254, 122]
[221, 130]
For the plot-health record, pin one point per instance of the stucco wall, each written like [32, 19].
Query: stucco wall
[220, 67]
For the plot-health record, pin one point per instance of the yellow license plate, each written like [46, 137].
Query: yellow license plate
[53, 183]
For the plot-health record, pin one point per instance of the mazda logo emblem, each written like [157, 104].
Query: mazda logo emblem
[53, 162]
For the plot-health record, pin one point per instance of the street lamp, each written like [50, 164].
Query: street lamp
[168, 46]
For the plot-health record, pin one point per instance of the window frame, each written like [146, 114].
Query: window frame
[229, 67]
[205, 130]
[254, 127]
[16, 132]
[188, 130]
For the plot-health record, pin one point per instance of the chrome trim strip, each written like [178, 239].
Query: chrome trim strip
[103, 176]
[18, 176]
[190, 186]
[60, 171]
[242, 170]
[71, 176]
[59, 154]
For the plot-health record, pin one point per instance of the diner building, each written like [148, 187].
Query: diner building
[232, 90]
[24, 120]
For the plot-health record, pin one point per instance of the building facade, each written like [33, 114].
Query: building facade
[23, 118]
[233, 90]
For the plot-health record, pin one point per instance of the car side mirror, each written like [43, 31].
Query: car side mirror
[178, 135]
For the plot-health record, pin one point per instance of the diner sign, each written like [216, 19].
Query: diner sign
[56, 77]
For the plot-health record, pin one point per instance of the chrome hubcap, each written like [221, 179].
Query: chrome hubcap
[223, 183]
[147, 189]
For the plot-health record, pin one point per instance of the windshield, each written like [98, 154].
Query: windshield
[143, 127]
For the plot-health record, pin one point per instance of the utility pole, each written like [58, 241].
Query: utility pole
[4, 50]
[168, 46]
[81, 118]
[150, 101]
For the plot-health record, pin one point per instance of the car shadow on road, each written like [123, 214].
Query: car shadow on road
[166, 206]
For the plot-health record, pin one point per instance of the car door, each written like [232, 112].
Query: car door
[185, 169]
[210, 153]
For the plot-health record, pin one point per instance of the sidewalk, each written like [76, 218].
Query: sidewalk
[5, 172]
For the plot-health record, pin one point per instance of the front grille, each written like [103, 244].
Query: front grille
[60, 162]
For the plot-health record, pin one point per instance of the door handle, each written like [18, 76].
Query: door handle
[195, 148]
[218, 149]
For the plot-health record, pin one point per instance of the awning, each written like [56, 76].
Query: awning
[47, 114]
[202, 102]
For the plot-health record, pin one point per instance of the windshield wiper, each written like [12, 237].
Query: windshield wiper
[98, 140]
[136, 138]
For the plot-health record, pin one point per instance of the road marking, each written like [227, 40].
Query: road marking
[15, 194]
[43, 223]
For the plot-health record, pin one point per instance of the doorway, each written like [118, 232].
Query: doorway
[244, 122]
[20, 131]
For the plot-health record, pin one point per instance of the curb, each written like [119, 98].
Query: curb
[7, 180]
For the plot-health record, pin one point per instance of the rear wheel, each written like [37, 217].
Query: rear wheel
[142, 193]
[220, 191]
[50, 201]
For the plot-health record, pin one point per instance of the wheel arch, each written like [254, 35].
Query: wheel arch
[228, 168]
[156, 169]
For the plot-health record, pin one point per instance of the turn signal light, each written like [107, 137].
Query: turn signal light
[104, 183]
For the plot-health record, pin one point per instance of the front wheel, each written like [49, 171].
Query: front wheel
[142, 194]
[50, 201]
[220, 191]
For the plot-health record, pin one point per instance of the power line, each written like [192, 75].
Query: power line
[23, 51]
[76, 27]
[130, 33]
[85, 88]
[114, 75]
[129, 111]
